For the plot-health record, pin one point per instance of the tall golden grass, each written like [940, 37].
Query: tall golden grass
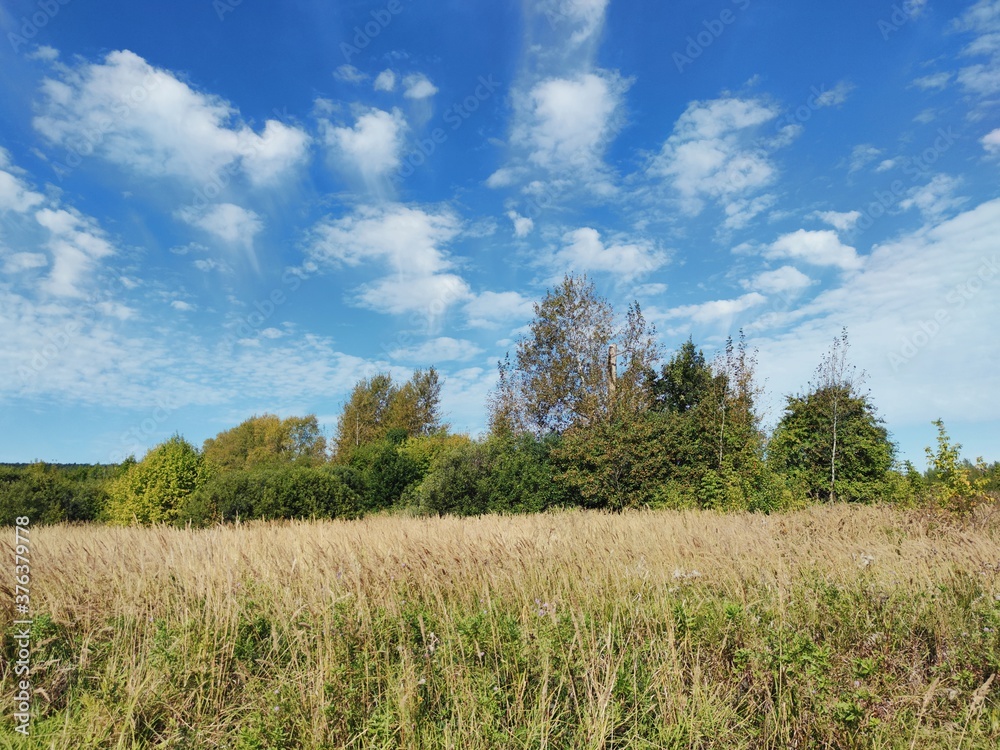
[830, 627]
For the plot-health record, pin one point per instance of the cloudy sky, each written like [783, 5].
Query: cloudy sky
[215, 209]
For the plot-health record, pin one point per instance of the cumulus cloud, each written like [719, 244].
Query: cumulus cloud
[982, 22]
[373, 146]
[349, 74]
[20, 262]
[522, 224]
[991, 141]
[819, 248]
[784, 280]
[228, 222]
[584, 251]
[716, 310]
[418, 86]
[842, 221]
[148, 121]
[835, 96]
[710, 155]
[407, 241]
[570, 120]
[15, 195]
[76, 244]
[861, 156]
[385, 81]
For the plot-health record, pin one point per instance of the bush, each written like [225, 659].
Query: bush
[50, 494]
[152, 490]
[386, 473]
[286, 492]
[454, 484]
[521, 478]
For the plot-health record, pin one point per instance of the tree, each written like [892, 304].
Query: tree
[562, 375]
[377, 405]
[153, 490]
[683, 381]
[267, 440]
[830, 440]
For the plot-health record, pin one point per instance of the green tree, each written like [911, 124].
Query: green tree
[267, 440]
[377, 406]
[830, 443]
[152, 490]
[956, 485]
[684, 381]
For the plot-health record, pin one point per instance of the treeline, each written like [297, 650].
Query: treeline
[584, 414]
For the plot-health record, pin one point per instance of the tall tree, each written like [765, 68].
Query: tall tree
[378, 406]
[830, 440]
[683, 381]
[562, 375]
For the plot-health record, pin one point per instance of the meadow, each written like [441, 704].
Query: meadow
[835, 626]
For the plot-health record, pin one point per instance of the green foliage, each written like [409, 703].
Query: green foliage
[267, 440]
[683, 382]
[272, 492]
[377, 406]
[953, 484]
[522, 477]
[152, 490]
[52, 494]
[386, 471]
[619, 465]
[454, 485]
[800, 447]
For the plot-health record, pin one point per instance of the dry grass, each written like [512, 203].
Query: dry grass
[829, 627]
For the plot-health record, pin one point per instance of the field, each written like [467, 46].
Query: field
[831, 627]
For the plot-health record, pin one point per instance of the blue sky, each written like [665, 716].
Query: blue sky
[215, 209]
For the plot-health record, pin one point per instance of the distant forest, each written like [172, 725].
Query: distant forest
[585, 413]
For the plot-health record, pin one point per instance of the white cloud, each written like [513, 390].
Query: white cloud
[583, 18]
[181, 305]
[710, 156]
[991, 141]
[522, 224]
[76, 243]
[741, 212]
[568, 121]
[18, 262]
[44, 53]
[349, 74]
[936, 198]
[936, 81]
[819, 248]
[407, 241]
[885, 165]
[982, 20]
[842, 221]
[861, 156]
[14, 193]
[503, 177]
[146, 120]
[373, 146]
[716, 310]
[228, 222]
[786, 279]
[385, 81]
[835, 96]
[418, 86]
[583, 250]
[490, 309]
[919, 314]
[442, 349]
